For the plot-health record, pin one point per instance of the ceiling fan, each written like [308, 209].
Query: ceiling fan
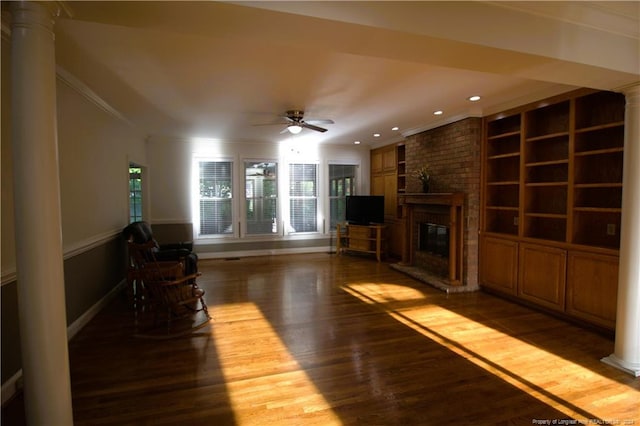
[295, 122]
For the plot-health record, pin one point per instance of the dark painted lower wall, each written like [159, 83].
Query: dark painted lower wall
[89, 276]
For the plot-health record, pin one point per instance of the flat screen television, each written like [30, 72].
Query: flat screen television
[365, 209]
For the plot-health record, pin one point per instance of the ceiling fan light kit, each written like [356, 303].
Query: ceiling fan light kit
[294, 129]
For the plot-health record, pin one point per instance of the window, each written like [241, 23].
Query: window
[303, 197]
[216, 213]
[261, 197]
[342, 182]
[135, 193]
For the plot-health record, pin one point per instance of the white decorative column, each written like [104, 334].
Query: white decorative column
[42, 312]
[626, 354]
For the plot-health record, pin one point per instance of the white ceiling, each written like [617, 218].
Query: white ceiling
[215, 70]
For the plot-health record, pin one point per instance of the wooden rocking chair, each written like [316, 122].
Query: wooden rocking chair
[173, 298]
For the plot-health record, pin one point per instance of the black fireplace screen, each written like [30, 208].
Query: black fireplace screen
[434, 239]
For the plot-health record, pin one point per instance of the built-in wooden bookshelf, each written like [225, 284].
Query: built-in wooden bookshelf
[552, 192]
[597, 157]
[502, 200]
[546, 170]
[402, 168]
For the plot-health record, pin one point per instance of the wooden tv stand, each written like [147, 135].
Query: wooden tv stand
[361, 238]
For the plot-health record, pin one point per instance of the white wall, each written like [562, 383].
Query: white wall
[94, 148]
[170, 168]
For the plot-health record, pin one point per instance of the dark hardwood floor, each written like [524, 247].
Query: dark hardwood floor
[321, 339]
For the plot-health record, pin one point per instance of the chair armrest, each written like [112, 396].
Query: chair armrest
[180, 280]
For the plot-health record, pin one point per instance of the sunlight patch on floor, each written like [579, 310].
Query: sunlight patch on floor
[506, 357]
[262, 383]
[385, 292]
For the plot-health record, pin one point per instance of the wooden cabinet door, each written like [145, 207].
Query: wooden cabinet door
[592, 287]
[395, 237]
[499, 264]
[542, 275]
[377, 185]
[389, 162]
[390, 195]
[376, 161]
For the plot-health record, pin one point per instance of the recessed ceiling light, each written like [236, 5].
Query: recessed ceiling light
[474, 98]
[395, 128]
[356, 142]
[376, 135]
[437, 112]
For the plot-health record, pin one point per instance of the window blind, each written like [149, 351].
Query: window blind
[303, 197]
[216, 214]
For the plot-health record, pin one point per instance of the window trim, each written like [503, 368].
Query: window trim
[146, 195]
[136, 217]
[243, 202]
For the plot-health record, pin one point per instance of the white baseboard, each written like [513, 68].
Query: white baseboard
[84, 319]
[14, 384]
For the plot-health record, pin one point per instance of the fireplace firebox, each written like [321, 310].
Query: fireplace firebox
[434, 239]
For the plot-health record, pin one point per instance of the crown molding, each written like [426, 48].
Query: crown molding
[77, 85]
[628, 87]
[620, 18]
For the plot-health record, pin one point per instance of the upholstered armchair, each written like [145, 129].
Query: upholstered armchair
[141, 233]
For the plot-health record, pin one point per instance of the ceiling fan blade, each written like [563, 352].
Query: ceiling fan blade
[319, 121]
[312, 127]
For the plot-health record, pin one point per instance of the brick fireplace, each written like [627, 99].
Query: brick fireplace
[434, 229]
[452, 153]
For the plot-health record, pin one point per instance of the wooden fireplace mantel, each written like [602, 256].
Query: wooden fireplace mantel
[455, 201]
[444, 198]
